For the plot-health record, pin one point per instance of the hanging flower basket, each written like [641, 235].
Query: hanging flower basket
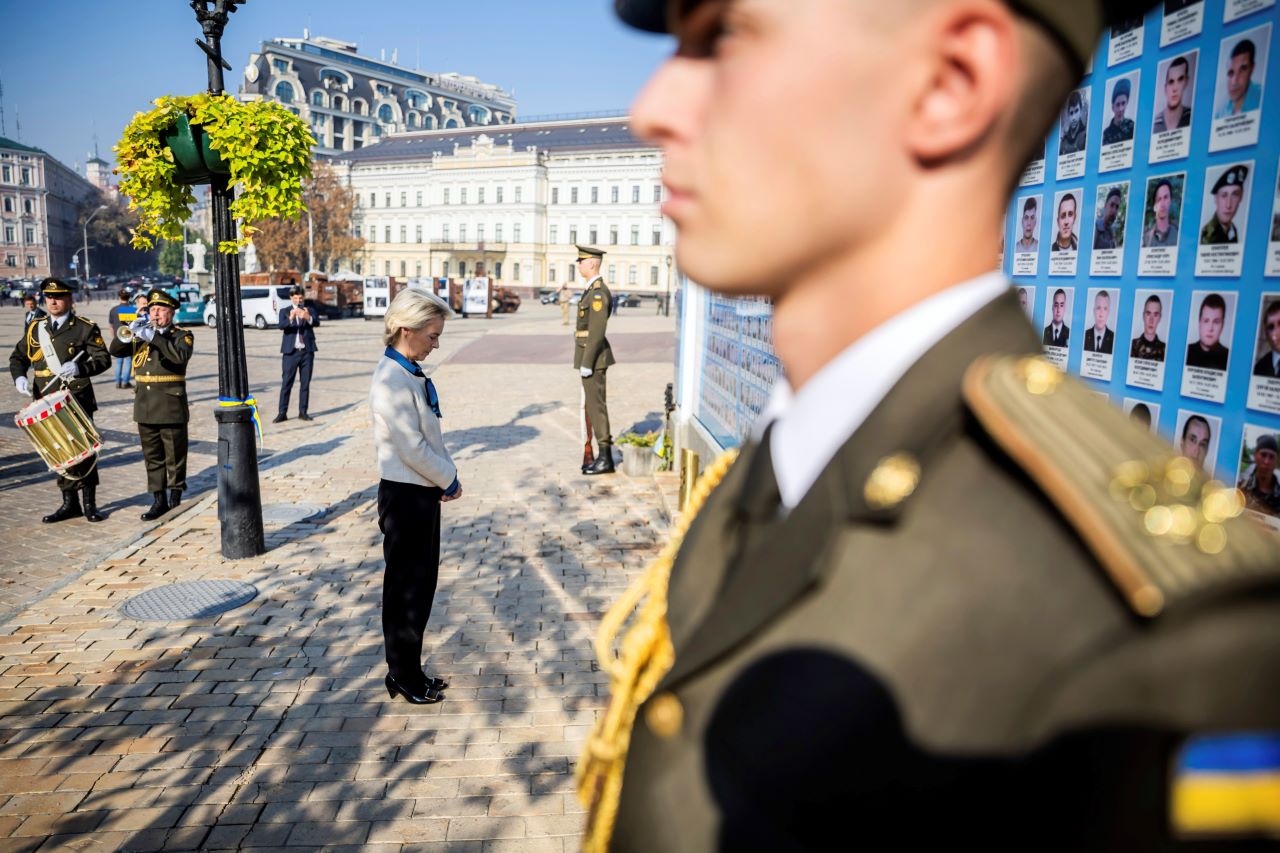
[195, 161]
[262, 149]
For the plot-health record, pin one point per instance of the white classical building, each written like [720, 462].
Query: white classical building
[513, 200]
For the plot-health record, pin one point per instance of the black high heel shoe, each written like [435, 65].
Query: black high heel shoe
[435, 683]
[429, 695]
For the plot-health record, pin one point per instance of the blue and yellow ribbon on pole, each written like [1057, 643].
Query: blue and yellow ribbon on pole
[228, 402]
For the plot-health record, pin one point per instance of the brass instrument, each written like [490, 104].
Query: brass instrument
[125, 334]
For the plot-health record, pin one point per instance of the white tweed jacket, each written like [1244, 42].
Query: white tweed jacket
[406, 433]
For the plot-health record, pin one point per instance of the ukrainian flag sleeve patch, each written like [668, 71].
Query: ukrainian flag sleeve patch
[1227, 785]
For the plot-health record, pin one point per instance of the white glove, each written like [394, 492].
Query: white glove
[69, 370]
[145, 333]
[140, 323]
[585, 371]
[23, 386]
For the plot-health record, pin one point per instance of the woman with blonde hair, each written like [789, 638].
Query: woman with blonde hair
[417, 475]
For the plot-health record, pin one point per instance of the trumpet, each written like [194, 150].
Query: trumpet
[125, 334]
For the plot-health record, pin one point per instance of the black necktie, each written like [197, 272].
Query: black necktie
[760, 498]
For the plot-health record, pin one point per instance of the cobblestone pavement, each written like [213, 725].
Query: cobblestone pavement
[268, 726]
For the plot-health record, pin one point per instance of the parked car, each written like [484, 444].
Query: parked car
[259, 306]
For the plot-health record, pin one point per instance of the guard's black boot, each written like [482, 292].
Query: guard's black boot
[91, 504]
[175, 498]
[70, 508]
[158, 508]
[603, 463]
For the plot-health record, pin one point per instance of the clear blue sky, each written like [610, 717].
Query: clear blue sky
[73, 67]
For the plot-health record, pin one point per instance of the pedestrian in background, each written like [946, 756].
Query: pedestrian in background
[298, 353]
[124, 364]
[30, 311]
[563, 296]
[417, 475]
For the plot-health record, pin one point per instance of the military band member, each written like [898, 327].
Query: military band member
[592, 355]
[1120, 129]
[1228, 193]
[78, 353]
[1148, 344]
[160, 350]
[1163, 230]
[925, 608]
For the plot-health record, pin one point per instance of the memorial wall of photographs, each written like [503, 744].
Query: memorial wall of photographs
[1164, 173]
[738, 366]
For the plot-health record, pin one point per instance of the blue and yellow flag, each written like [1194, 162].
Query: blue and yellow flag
[1228, 785]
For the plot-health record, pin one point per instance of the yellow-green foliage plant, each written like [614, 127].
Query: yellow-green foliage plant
[265, 149]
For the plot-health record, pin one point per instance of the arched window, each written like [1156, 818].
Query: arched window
[284, 92]
[385, 114]
[339, 102]
[317, 98]
[411, 121]
[359, 107]
[429, 122]
[453, 122]
[478, 114]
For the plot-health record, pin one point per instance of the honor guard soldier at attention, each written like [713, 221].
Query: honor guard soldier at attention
[945, 598]
[59, 344]
[160, 350]
[592, 355]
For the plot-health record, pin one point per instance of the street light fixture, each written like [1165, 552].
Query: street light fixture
[87, 277]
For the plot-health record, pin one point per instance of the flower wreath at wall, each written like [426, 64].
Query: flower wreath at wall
[262, 148]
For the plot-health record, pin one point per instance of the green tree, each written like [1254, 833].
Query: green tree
[170, 261]
[282, 243]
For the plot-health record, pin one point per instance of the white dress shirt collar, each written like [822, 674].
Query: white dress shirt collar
[811, 424]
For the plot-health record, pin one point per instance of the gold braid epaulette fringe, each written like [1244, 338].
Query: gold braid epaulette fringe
[644, 657]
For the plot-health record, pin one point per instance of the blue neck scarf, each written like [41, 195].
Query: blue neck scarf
[432, 399]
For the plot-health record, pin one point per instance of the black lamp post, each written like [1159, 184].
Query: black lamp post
[239, 498]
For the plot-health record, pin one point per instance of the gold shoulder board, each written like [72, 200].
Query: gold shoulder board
[1163, 532]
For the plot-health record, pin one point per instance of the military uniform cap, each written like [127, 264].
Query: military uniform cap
[1075, 26]
[585, 252]
[1123, 87]
[1232, 177]
[54, 287]
[160, 297]
[1266, 442]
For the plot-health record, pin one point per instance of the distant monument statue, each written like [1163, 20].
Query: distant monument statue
[197, 252]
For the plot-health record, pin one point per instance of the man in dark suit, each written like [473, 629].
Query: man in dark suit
[1099, 338]
[1269, 364]
[926, 608]
[29, 311]
[1058, 333]
[298, 352]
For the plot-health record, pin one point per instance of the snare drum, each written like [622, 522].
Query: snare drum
[62, 433]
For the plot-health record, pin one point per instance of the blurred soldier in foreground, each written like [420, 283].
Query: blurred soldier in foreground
[946, 597]
[160, 350]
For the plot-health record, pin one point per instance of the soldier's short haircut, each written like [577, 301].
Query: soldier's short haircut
[1245, 46]
[1163, 182]
[1215, 302]
[1271, 310]
[1102, 294]
[1074, 101]
[1156, 300]
[1060, 292]
[1029, 204]
[1116, 193]
[1181, 60]
[1072, 198]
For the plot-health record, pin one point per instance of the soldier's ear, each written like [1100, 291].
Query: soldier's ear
[966, 85]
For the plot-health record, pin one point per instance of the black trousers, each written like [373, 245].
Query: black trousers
[164, 452]
[70, 484]
[409, 518]
[296, 363]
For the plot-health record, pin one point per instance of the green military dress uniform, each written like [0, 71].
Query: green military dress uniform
[592, 350]
[160, 406]
[75, 336]
[998, 615]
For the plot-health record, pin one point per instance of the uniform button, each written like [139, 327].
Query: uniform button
[664, 715]
[892, 481]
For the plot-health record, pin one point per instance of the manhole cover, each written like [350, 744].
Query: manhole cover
[289, 513]
[189, 600]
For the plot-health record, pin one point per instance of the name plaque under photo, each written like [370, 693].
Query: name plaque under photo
[1181, 20]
